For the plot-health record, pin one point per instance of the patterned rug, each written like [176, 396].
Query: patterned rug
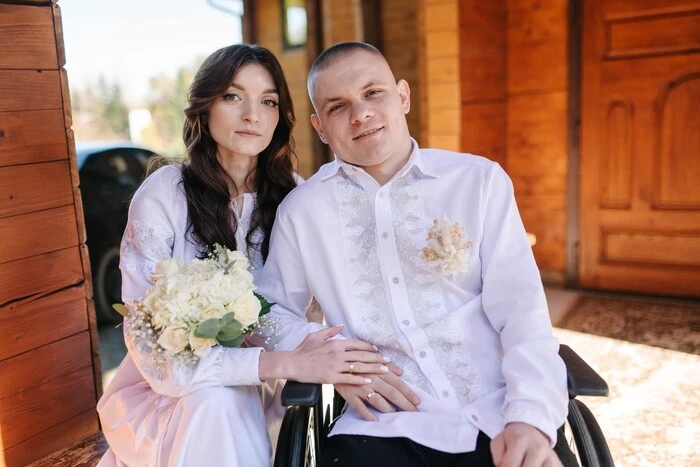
[673, 325]
[648, 352]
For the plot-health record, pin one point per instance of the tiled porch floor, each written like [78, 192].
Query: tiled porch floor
[652, 416]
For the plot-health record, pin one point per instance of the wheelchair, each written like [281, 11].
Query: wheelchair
[304, 428]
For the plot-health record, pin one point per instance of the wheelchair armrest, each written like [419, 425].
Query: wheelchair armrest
[305, 394]
[581, 379]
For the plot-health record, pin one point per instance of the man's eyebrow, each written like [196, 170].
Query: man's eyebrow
[330, 100]
[266, 91]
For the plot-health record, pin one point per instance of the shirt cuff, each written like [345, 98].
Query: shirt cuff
[241, 366]
[531, 413]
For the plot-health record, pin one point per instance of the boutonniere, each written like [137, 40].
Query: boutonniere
[447, 247]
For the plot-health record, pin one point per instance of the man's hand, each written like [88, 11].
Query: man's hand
[520, 444]
[381, 393]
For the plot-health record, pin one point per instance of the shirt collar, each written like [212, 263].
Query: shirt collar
[416, 160]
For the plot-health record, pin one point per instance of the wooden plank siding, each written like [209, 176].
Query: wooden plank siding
[440, 89]
[483, 56]
[50, 375]
[537, 125]
[268, 27]
[401, 46]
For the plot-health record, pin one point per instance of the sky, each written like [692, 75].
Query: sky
[129, 41]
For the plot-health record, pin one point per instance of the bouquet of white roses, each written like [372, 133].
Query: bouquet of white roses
[193, 307]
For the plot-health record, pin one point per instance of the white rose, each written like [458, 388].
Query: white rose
[212, 312]
[167, 267]
[201, 346]
[246, 309]
[173, 339]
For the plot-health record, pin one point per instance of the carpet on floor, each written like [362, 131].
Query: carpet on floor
[673, 325]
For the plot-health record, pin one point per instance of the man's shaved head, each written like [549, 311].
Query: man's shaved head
[331, 55]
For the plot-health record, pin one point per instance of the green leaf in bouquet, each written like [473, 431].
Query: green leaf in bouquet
[229, 331]
[227, 318]
[208, 329]
[234, 342]
[265, 306]
[121, 309]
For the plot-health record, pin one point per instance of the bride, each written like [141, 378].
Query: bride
[238, 168]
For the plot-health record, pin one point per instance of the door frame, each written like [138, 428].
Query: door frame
[573, 182]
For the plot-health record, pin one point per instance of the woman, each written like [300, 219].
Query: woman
[238, 168]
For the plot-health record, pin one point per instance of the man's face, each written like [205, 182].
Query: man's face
[361, 112]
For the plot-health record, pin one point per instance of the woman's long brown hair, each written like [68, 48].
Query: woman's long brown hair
[206, 183]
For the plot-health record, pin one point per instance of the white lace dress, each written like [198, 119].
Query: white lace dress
[207, 414]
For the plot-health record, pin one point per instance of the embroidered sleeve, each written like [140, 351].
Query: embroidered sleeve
[143, 244]
[149, 237]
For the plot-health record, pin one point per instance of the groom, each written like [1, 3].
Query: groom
[422, 253]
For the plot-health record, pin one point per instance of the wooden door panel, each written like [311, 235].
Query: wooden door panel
[673, 32]
[676, 169]
[640, 147]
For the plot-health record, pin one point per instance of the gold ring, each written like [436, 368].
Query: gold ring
[351, 367]
[369, 396]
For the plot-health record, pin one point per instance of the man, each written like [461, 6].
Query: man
[422, 253]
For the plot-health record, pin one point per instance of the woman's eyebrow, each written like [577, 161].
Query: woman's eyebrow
[266, 91]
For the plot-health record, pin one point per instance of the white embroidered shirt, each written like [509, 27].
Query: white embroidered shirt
[477, 347]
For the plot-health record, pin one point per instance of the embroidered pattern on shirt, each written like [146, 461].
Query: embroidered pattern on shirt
[425, 294]
[356, 214]
[150, 241]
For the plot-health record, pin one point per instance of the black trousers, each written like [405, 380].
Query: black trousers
[370, 451]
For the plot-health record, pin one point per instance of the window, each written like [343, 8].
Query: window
[294, 23]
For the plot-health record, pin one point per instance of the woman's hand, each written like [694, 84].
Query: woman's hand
[386, 393]
[320, 359]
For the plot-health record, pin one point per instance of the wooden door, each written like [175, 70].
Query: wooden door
[640, 146]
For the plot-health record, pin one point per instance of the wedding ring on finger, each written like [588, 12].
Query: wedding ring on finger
[369, 396]
[351, 367]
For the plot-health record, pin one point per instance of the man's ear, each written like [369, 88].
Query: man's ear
[405, 95]
[317, 126]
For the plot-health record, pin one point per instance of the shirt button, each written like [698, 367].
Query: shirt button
[406, 322]
[385, 235]
[475, 418]
[422, 354]
[395, 280]
[445, 393]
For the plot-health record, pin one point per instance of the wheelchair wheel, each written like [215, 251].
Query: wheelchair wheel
[596, 434]
[297, 443]
[591, 447]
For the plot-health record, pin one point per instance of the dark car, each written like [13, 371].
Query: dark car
[110, 173]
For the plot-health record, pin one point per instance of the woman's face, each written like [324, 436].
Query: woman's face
[243, 120]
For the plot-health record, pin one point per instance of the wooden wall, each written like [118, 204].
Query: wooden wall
[440, 88]
[400, 44]
[483, 58]
[514, 85]
[538, 124]
[49, 365]
[267, 27]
